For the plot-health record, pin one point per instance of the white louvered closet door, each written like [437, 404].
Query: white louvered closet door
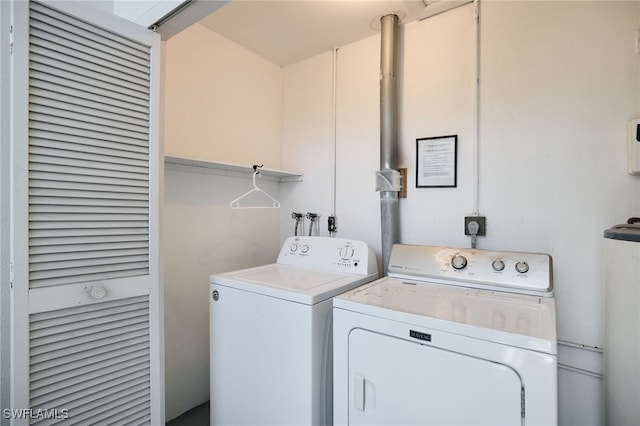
[87, 345]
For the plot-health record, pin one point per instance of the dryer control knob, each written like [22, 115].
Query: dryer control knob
[522, 267]
[458, 261]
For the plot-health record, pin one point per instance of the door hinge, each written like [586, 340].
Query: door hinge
[11, 39]
[11, 275]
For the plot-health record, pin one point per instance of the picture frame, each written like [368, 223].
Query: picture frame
[437, 162]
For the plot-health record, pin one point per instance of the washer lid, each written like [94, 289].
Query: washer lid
[512, 319]
[302, 285]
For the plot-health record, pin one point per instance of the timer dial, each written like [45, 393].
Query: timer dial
[346, 252]
[458, 261]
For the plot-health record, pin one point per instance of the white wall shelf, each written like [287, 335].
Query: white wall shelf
[176, 162]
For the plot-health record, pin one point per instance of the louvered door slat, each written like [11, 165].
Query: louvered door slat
[42, 69]
[89, 224]
[105, 123]
[69, 105]
[56, 81]
[58, 155]
[88, 186]
[135, 148]
[104, 309]
[88, 254]
[115, 409]
[87, 350]
[87, 196]
[82, 358]
[65, 396]
[60, 209]
[72, 96]
[101, 180]
[92, 272]
[70, 327]
[61, 58]
[77, 132]
[67, 143]
[88, 248]
[53, 368]
[73, 173]
[89, 378]
[62, 124]
[80, 54]
[53, 236]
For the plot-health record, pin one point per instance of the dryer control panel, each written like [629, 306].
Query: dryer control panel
[329, 254]
[518, 272]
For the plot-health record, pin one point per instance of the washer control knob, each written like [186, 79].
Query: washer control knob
[458, 261]
[305, 248]
[522, 267]
[497, 265]
[346, 252]
[293, 247]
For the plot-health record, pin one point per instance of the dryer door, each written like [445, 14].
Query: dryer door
[393, 381]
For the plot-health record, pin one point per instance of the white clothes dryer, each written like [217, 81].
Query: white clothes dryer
[450, 337]
[270, 327]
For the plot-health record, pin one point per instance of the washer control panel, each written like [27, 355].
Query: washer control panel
[519, 272]
[327, 253]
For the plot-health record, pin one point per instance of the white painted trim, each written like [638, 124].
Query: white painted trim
[19, 209]
[5, 212]
[156, 296]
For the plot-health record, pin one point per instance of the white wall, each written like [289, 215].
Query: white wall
[558, 94]
[203, 236]
[221, 103]
[559, 81]
[307, 140]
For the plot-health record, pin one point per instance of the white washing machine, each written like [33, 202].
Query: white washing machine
[450, 337]
[270, 344]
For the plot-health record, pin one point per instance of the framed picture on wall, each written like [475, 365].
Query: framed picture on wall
[437, 162]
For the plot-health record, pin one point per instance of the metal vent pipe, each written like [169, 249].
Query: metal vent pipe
[388, 178]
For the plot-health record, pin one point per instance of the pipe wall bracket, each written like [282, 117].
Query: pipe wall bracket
[388, 180]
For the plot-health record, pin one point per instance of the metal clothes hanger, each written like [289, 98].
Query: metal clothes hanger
[235, 204]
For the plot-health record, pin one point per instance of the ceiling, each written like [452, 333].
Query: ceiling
[287, 31]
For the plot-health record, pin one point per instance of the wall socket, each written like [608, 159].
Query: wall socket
[482, 221]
